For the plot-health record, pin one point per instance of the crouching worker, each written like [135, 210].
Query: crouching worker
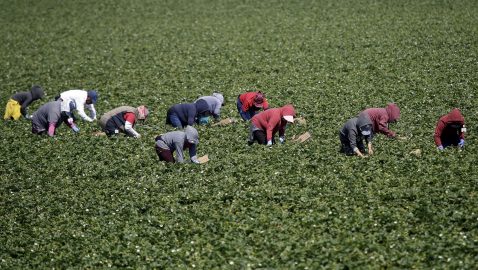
[82, 99]
[182, 115]
[168, 143]
[249, 103]
[49, 117]
[450, 130]
[265, 125]
[381, 117]
[123, 120]
[353, 133]
[19, 102]
[214, 103]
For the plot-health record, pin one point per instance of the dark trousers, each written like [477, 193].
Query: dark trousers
[346, 148]
[165, 155]
[38, 132]
[259, 136]
[450, 140]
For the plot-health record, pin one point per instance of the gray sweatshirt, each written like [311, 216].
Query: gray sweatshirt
[351, 131]
[48, 113]
[179, 141]
[214, 103]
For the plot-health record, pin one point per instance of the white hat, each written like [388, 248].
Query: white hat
[289, 118]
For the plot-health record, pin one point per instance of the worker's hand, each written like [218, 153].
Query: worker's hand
[440, 148]
[461, 143]
[282, 139]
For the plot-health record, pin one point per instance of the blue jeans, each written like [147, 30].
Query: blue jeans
[175, 122]
[246, 115]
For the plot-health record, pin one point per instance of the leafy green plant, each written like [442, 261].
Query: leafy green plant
[92, 202]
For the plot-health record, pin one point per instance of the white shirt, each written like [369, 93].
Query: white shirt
[79, 97]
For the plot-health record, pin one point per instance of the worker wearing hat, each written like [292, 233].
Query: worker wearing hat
[266, 124]
[82, 99]
[123, 120]
[249, 103]
[177, 141]
[353, 133]
[214, 103]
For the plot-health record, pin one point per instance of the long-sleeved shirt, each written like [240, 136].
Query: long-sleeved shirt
[247, 100]
[351, 131]
[48, 117]
[120, 119]
[381, 117]
[444, 128]
[26, 98]
[187, 112]
[214, 105]
[272, 120]
[79, 98]
[176, 141]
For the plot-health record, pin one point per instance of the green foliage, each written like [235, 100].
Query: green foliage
[93, 202]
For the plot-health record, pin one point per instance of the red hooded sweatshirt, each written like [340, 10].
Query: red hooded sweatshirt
[443, 128]
[247, 100]
[271, 120]
[382, 116]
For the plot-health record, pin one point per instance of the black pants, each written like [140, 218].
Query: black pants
[261, 137]
[450, 140]
[345, 145]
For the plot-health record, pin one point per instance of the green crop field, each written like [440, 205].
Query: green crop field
[80, 201]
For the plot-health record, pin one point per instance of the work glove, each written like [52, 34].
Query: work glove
[70, 121]
[29, 116]
[282, 139]
[75, 128]
[440, 147]
[461, 143]
[195, 160]
[269, 143]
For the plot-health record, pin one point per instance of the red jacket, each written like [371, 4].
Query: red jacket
[271, 120]
[443, 128]
[382, 116]
[247, 100]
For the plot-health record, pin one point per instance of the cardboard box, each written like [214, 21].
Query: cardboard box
[203, 159]
[224, 122]
[302, 138]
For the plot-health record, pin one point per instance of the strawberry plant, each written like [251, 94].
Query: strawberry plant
[83, 201]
